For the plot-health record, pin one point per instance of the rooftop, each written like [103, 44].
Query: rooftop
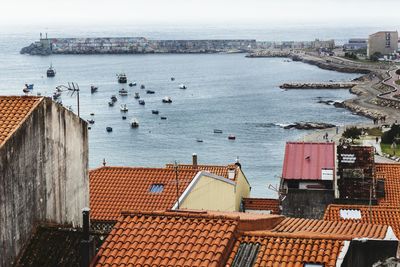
[305, 161]
[262, 204]
[219, 170]
[13, 112]
[390, 173]
[113, 189]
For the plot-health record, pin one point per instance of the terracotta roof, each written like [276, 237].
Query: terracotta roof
[13, 112]
[280, 250]
[215, 169]
[347, 229]
[390, 173]
[374, 215]
[262, 204]
[305, 161]
[113, 189]
[168, 239]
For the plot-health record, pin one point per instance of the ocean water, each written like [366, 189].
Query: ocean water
[238, 95]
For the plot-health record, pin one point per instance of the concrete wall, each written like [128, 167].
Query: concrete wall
[210, 194]
[377, 43]
[308, 204]
[43, 176]
[242, 189]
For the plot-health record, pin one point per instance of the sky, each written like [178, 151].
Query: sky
[197, 12]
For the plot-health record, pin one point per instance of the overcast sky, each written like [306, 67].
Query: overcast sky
[224, 12]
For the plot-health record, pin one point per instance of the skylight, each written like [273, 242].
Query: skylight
[350, 214]
[313, 265]
[156, 188]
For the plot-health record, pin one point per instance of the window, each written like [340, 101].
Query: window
[350, 214]
[156, 188]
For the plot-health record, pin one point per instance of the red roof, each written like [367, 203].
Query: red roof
[262, 204]
[305, 161]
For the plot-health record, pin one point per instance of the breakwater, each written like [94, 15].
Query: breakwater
[318, 85]
[135, 45]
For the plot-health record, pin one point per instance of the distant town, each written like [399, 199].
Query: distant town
[337, 204]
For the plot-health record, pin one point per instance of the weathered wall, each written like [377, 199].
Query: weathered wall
[308, 204]
[43, 175]
[242, 189]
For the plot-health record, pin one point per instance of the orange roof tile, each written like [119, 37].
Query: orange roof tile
[262, 204]
[348, 229]
[279, 250]
[113, 189]
[379, 215]
[390, 173]
[215, 169]
[168, 239]
[13, 112]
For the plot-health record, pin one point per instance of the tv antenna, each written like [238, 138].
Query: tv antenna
[71, 88]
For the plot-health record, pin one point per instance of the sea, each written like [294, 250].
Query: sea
[238, 95]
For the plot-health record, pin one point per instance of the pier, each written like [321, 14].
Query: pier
[318, 85]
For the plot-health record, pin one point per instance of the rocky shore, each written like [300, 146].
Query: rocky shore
[318, 85]
[309, 125]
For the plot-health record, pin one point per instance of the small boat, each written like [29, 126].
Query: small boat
[172, 79]
[50, 71]
[142, 86]
[198, 140]
[217, 131]
[122, 78]
[89, 128]
[111, 103]
[109, 129]
[91, 114]
[91, 121]
[113, 98]
[167, 99]
[124, 117]
[150, 92]
[137, 96]
[134, 123]
[56, 95]
[163, 118]
[26, 90]
[154, 111]
[141, 102]
[93, 89]
[123, 108]
[132, 84]
[29, 86]
[231, 137]
[182, 86]
[123, 92]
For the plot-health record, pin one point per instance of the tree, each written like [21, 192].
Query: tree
[352, 133]
[398, 71]
[389, 136]
[375, 56]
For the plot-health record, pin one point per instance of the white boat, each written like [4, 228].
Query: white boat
[123, 92]
[124, 108]
[137, 96]
[134, 123]
[167, 99]
[182, 86]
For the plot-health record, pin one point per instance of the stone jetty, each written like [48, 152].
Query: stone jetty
[135, 45]
[309, 125]
[318, 85]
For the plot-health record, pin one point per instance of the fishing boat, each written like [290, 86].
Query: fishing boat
[137, 96]
[91, 114]
[172, 79]
[123, 92]
[113, 98]
[134, 123]
[51, 72]
[122, 78]
[91, 121]
[231, 137]
[154, 111]
[150, 92]
[141, 102]
[111, 103]
[29, 86]
[142, 86]
[198, 140]
[167, 99]
[93, 89]
[124, 117]
[56, 95]
[123, 108]
[182, 86]
[217, 131]
[163, 118]
[132, 84]
[109, 129]
[26, 90]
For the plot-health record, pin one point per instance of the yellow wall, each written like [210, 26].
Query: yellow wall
[242, 189]
[210, 194]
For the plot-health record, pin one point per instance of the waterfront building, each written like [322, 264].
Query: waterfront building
[356, 44]
[383, 42]
[43, 170]
[200, 187]
[308, 178]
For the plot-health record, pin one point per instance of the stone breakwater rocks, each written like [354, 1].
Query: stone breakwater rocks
[309, 125]
[326, 85]
[268, 53]
[362, 111]
[135, 45]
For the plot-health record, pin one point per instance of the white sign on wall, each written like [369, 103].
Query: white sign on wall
[327, 174]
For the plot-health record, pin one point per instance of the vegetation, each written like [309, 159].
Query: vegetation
[397, 82]
[351, 55]
[398, 71]
[391, 135]
[387, 149]
[352, 133]
[376, 131]
[375, 56]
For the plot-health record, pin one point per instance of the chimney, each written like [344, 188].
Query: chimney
[237, 163]
[194, 159]
[231, 174]
[87, 243]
